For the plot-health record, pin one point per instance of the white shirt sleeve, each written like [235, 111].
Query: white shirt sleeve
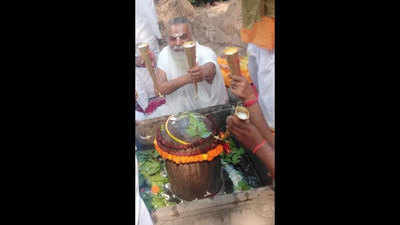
[262, 71]
[140, 87]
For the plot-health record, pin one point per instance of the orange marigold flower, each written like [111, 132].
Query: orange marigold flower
[155, 189]
[187, 159]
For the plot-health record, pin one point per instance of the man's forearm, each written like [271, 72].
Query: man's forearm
[257, 118]
[168, 87]
[267, 155]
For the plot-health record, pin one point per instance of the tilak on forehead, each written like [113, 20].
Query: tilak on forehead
[179, 32]
[177, 35]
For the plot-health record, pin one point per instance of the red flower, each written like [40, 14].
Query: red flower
[227, 149]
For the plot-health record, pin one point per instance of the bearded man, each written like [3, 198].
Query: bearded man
[175, 78]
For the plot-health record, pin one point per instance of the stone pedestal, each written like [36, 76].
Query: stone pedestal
[255, 207]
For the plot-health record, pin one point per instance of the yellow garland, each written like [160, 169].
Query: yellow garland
[209, 156]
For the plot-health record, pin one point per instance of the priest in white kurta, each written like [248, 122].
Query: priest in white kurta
[176, 79]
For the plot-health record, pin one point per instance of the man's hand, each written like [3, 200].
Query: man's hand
[141, 63]
[244, 131]
[249, 137]
[152, 58]
[196, 74]
[242, 88]
[209, 72]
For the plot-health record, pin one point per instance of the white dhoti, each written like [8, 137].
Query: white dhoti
[184, 98]
[262, 71]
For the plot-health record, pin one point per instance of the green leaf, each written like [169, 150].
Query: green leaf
[150, 167]
[142, 180]
[236, 153]
[147, 198]
[159, 201]
[243, 185]
[155, 154]
[197, 127]
[158, 180]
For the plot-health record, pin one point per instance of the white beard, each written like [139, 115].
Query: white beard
[180, 64]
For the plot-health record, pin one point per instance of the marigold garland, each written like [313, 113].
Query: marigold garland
[209, 156]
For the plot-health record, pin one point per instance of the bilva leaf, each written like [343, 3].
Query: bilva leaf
[197, 127]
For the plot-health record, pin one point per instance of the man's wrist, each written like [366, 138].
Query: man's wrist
[249, 98]
[188, 79]
[259, 146]
[249, 103]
